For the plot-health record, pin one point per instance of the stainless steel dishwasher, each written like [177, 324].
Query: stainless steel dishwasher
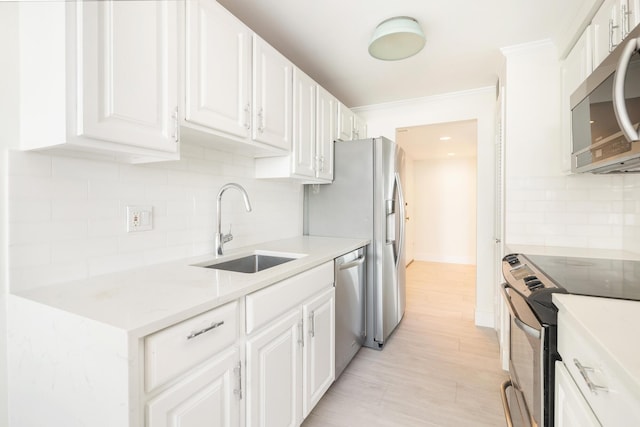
[350, 306]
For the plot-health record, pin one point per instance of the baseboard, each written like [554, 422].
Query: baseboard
[447, 259]
[485, 319]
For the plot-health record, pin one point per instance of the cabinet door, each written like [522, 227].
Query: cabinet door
[606, 30]
[208, 396]
[218, 69]
[127, 73]
[272, 98]
[319, 348]
[571, 409]
[326, 115]
[304, 121]
[359, 128]
[345, 123]
[274, 374]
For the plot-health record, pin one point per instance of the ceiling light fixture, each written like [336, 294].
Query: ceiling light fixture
[396, 38]
[445, 138]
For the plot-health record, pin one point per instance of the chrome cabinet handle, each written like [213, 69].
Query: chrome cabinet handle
[300, 333]
[584, 371]
[238, 371]
[612, 27]
[176, 126]
[247, 117]
[207, 329]
[261, 120]
[312, 322]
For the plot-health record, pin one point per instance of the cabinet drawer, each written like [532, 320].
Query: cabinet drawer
[586, 360]
[267, 304]
[177, 348]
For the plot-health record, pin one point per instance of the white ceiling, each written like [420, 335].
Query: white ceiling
[328, 40]
[424, 142]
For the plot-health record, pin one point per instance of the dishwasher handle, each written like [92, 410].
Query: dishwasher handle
[351, 264]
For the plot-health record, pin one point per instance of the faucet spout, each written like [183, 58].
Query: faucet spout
[221, 239]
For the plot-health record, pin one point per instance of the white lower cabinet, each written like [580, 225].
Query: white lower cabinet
[274, 374]
[291, 359]
[571, 408]
[318, 364]
[208, 396]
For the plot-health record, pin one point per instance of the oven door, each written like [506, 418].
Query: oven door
[525, 403]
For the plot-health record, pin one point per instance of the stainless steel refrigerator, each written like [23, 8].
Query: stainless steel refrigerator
[365, 200]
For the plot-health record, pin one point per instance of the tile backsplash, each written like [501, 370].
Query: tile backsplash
[586, 211]
[67, 216]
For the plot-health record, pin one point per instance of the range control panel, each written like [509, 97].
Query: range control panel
[523, 276]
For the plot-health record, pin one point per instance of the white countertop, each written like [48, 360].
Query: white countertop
[572, 252]
[147, 299]
[612, 324]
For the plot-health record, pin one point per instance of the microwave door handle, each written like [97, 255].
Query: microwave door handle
[619, 105]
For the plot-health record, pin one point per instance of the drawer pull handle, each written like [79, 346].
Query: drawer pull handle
[207, 329]
[584, 371]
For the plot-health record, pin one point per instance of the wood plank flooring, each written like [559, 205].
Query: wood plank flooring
[438, 368]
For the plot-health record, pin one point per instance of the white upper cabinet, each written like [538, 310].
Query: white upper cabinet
[326, 129]
[359, 128]
[606, 30]
[272, 84]
[350, 126]
[612, 23]
[311, 157]
[304, 125]
[237, 87]
[217, 69]
[345, 123]
[100, 77]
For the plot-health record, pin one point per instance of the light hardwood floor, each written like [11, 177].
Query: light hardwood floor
[438, 368]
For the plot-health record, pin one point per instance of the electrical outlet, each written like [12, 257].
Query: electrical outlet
[139, 218]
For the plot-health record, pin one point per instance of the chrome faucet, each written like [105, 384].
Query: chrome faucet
[221, 239]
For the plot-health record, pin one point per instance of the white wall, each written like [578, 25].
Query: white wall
[445, 210]
[478, 104]
[408, 186]
[544, 206]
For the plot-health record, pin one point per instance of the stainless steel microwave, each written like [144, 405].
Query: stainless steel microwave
[605, 113]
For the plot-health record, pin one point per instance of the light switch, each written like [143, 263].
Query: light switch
[139, 218]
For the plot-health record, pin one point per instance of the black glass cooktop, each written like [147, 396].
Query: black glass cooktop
[610, 278]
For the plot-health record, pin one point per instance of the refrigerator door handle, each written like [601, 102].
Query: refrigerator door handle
[400, 217]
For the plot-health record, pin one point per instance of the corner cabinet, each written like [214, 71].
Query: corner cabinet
[237, 87]
[100, 78]
[314, 118]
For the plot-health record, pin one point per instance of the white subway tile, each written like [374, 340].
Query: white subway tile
[29, 255]
[23, 163]
[29, 211]
[82, 169]
[141, 174]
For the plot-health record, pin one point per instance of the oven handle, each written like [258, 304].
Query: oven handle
[503, 393]
[527, 329]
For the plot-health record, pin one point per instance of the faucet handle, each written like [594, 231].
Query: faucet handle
[227, 237]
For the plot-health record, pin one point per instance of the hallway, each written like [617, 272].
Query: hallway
[438, 368]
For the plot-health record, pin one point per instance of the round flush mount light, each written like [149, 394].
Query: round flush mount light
[396, 38]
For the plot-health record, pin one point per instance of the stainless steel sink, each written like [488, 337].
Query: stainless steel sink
[251, 263]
